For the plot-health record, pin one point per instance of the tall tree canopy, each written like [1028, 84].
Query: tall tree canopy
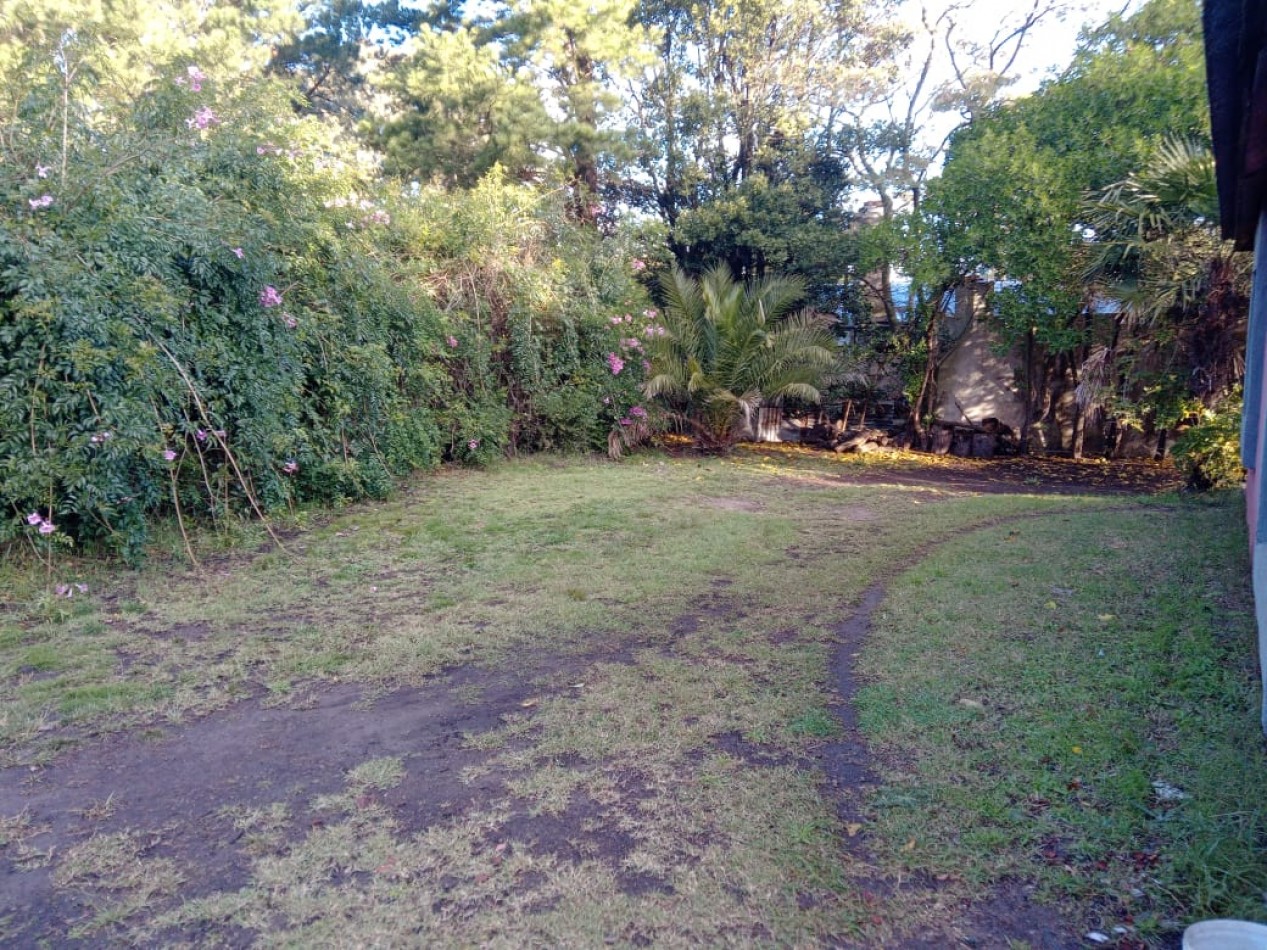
[731, 130]
[1011, 199]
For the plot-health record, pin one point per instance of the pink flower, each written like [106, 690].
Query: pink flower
[607, 400]
[269, 297]
[260, 150]
[43, 201]
[615, 363]
[47, 527]
[202, 118]
[169, 455]
[646, 366]
[290, 321]
[626, 421]
[195, 78]
[453, 342]
[291, 467]
[62, 590]
[238, 253]
[638, 265]
[473, 444]
[41, 171]
[616, 321]
[201, 435]
[638, 412]
[650, 314]
[33, 518]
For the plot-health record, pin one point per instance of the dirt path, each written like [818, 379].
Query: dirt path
[1003, 917]
[1028, 475]
[184, 787]
[194, 793]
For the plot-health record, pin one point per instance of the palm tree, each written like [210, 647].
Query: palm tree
[1159, 252]
[730, 347]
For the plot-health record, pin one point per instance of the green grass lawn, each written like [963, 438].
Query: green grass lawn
[668, 627]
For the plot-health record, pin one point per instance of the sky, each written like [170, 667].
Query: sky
[1048, 48]
[1053, 42]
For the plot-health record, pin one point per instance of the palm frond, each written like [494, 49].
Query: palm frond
[729, 346]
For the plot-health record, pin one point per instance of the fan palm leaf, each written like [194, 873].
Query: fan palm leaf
[729, 347]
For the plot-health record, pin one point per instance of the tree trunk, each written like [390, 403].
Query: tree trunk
[928, 385]
[1027, 419]
[584, 161]
[1079, 429]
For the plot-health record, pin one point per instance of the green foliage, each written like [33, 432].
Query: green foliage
[531, 85]
[1209, 453]
[1158, 249]
[541, 303]
[1012, 202]
[731, 133]
[725, 348]
[207, 304]
[455, 112]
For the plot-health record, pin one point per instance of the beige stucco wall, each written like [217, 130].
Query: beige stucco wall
[975, 377]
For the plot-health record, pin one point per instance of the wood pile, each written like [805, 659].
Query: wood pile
[969, 440]
[864, 441]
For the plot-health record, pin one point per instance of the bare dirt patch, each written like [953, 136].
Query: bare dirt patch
[1003, 916]
[1033, 474]
[179, 788]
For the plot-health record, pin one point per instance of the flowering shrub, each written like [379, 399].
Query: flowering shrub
[540, 308]
[207, 304]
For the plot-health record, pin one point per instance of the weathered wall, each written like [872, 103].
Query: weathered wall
[975, 382]
[1254, 420]
[1254, 441]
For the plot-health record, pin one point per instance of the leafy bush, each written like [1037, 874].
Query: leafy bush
[1209, 453]
[541, 304]
[207, 303]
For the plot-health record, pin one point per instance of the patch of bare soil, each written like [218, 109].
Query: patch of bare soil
[1005, 917]
[999, 918]
[717, 604]
[181, 788]
[1031, 474]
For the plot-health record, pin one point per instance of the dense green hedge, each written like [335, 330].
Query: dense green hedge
[207, 302]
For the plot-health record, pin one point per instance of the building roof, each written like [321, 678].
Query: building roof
[1236, 71]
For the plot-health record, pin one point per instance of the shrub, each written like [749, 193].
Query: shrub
[1209, 453]
[209, 303]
